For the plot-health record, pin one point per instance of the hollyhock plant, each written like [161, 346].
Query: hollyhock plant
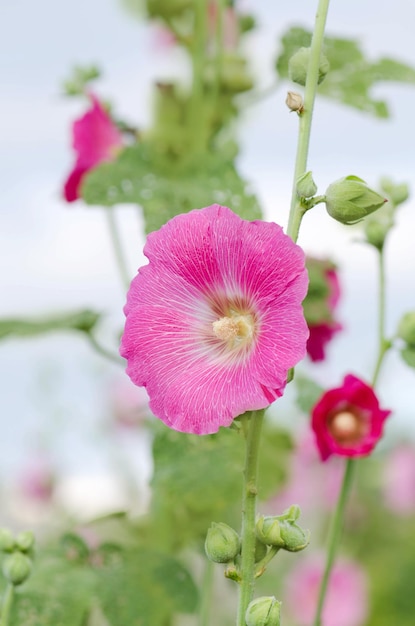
[95, 139]
[320, 304]
[214, 321]
[346, 601]
[348, 420]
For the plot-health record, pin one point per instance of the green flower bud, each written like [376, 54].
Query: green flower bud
[17, 568]
[397, 193]
[25, 540]
[306, 187]
[222, 543]
[260, 550]
[406, 328]
[298, 66]
[246, 23]
[376, 233]
[7, 543]
[282, 531]
[349, 200]
[263, 611]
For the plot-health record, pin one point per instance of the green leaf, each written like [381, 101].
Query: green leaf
[351, 76]
[145, 587]
[83, 321]
[165, 187]
[408, 355]
[308, 393]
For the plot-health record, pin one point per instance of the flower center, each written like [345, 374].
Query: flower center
[347, 427]
[235, 330]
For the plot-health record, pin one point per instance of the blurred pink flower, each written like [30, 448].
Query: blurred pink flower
[95, 138]
[346, 601]
[129, 403]
[36, 480]
[214, 321]
[348, 420]
[399, 480]
[321, 333]
[230, 25]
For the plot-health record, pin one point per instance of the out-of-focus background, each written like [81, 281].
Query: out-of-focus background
[54, 256]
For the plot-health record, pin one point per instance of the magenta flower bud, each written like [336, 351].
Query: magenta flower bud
[349, 200]
[264, 611]
[222, 543]
[298, 66]
[17, 568]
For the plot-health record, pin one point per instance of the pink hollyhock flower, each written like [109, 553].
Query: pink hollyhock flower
[399, 480]
[129, 404]
[37, 480]
[214, 321]
[322, 332]
[230, 25]
[95, 139]
[346, 602]
[348, 420]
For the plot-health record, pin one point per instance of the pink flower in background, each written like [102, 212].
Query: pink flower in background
[129, 403]
[346, 601]
[36, 480]
[347, 420]
[95, 139]
[322, 332]
[230, 25]
[214, 321]
[399, 480]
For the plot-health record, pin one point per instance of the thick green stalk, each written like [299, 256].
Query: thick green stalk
[117, 246]
[206, 593]
[334, 536]
[6, 605]
[198, 52]
[297, 211]
[383, 343]
[249, 495]
[219, 33]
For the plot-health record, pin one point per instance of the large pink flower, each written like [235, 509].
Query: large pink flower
[214, 321]
[348, 420]
[346, 601]
[95, 139]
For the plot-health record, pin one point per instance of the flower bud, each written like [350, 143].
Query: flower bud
[263, 611]
[222, 543]
[268, 531]
[298, 66]
[17, 568]
[25, 541]
[294, 537]
[406, 328]
[294, 101]
[282, 531]
[376, 232]
[349, 200]
[397, 193]
[7, 543]
[306, 187]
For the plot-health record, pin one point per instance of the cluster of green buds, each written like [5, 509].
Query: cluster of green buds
[282, 531]
[378, 226]
[406, 332]
[18, 555]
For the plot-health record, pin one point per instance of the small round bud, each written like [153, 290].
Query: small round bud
[222, 543]
[17, 568]
[263, 611]
[268, 531]
[397, 193]
[294, 537]
[25, 540]
[294, 101]
[349, 200]
[406, 328]
[7, 542]
[306, 187]
[298, 66]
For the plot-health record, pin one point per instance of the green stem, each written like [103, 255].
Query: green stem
[249, 495]
[6, 606]
[198, 62]
[383, 343]
[206, 599]
[218, 49]
[334, 536]
[296, 211]
[117, 246]
[262, 564]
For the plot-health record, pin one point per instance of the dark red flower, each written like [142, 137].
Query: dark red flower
[347, 420]
[95, 138]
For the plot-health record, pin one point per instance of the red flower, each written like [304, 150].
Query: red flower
[348, 420]
[95, 139]
[320, 305]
